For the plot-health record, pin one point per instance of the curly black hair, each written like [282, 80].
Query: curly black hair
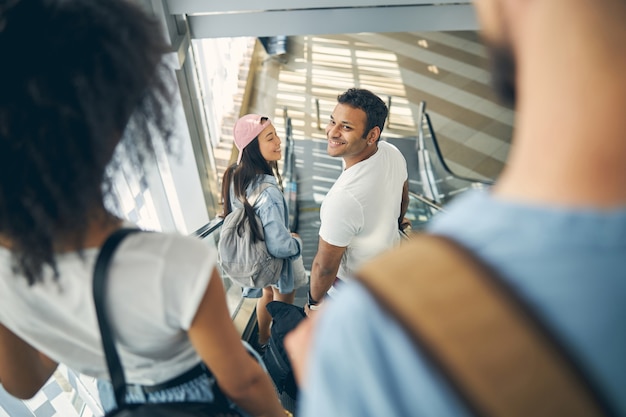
[374, 107]
[75, 73]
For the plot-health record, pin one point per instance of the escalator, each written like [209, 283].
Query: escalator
[308, 173]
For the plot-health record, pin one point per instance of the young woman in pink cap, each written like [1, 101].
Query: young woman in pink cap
[259, 151]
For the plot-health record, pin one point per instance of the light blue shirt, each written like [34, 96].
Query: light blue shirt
[272, 209]
[569, 265]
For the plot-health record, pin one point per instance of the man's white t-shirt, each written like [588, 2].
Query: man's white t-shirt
[155, 285]
[361, 210]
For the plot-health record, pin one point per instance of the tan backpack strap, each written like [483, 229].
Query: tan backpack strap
[494, 354]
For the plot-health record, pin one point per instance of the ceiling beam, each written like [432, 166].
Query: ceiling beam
[204, 6]
[399, 18]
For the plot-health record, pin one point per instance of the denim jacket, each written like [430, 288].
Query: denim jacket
[271, 207]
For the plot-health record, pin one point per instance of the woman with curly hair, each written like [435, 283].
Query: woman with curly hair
[84, 76]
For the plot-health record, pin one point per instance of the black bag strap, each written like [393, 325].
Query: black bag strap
[101, 269]
[221, 405]
[491, 347]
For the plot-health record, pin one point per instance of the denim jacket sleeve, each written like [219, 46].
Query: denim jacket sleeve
[272, 210]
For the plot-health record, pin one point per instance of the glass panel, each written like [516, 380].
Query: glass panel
[219, 63]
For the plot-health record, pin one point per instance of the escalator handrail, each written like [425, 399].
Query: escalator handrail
[208, 228]
[289, 151]
[290, 176]
[427, 201]
[442, 160]
[422, 114]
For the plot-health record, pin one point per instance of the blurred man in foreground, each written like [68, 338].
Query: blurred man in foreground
[553, 227]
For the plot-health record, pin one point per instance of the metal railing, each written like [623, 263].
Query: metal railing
[421, 210]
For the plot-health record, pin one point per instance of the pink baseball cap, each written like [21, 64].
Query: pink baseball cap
[246, 129]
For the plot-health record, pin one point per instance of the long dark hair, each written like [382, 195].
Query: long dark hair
[241, 176]
[80, 71]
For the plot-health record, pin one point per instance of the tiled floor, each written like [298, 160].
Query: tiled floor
[66, 394]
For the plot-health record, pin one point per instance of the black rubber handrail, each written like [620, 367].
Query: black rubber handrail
[290, 175]
[438, 153]
[208, 228]
[442, 160]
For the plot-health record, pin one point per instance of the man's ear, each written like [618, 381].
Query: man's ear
[373, 135]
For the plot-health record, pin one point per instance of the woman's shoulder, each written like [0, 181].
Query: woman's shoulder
[266, 180]
[265, 184]
[168, 245]
[170, 258]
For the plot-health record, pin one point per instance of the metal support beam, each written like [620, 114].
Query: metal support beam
[205, 7]
[334, 20]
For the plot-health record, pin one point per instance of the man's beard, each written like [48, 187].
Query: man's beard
[503, 74]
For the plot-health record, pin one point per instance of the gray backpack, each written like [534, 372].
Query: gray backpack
[247, 263]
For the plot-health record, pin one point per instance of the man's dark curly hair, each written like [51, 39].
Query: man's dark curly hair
[76, 76]
[375, 109]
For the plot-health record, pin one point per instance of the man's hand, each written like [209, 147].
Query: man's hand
[404, 224]
[310, 312]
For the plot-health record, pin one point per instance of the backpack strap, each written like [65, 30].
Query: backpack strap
[495, 354]
[257, 192]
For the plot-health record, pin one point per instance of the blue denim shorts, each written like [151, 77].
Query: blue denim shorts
[197, 389]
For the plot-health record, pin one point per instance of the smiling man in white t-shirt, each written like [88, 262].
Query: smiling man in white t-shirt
[361, 214]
